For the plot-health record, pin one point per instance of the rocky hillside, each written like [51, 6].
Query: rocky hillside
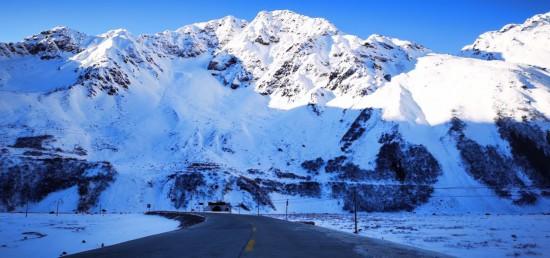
[281, 107]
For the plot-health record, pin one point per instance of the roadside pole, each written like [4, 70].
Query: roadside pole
[355, 209]
[286, 210]
[57, 208]
[258, 202]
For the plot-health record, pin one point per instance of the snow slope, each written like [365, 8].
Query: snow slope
[47, 235]
[283, 106]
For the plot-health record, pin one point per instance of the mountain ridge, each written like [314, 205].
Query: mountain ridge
[519, 43]
[259, 111]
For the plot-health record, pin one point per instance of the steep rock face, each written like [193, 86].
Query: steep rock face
[210, 181]
[368, 196]
[110, 80]
[519, 43]
[313, 166]
[516, 177]
[39, 171]
[49, 44]
[486, 163]
[195, 39]
[186, 186]
[408, 163]
[200, 180]
[530, 148]
[404, 171]
[112, 61]
[356, 129]
[230, 71]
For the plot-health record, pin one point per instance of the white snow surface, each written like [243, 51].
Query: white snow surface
[47, 235]
[463, 235]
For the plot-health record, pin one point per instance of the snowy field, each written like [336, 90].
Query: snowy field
[47, 235]
[467, 235]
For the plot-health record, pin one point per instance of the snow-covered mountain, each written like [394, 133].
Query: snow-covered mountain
[282, 107]
[525, 43]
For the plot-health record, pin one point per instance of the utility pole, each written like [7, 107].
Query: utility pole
[27, 193]
[286, 210]
[355, 209]
[258, 202]
[57, 207]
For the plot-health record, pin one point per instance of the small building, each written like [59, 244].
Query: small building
[219, 206]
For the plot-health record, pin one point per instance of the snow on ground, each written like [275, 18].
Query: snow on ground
[46, 235]
[466, 235]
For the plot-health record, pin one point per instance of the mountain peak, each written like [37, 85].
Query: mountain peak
[227, 22]
[290, 22]
[61, 28]
[56, 33]
[48, 44]
[539, 19]
[525, 43]
[116, 33]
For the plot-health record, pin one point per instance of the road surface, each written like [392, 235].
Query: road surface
[231, 235]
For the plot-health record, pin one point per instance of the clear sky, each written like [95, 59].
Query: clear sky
[443, 25]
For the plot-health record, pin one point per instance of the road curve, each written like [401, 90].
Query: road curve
[230, 235]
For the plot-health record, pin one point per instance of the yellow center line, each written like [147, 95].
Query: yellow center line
[250, 245]
[251, 242]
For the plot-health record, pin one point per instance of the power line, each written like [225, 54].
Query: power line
[308, 200]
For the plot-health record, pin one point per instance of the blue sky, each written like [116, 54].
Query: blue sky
[443, 25]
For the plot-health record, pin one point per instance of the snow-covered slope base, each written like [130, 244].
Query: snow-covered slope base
[48, 235]
[282, 107]
[461, 235]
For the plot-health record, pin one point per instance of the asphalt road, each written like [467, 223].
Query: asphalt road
[230, 235]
